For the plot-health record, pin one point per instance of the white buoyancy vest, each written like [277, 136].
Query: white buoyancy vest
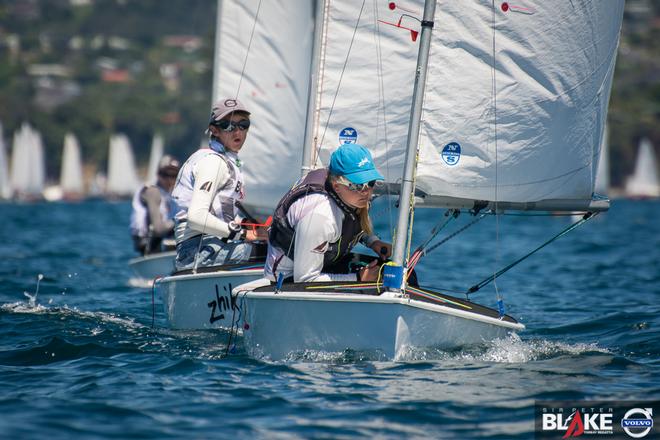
[224, 201]
[140, 213]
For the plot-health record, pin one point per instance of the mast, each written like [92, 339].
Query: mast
[413, 133]
[312, 93]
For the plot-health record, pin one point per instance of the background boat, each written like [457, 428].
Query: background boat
[122, 179]
[5, 187]
[27, 165]
[644, 182]
[71, 186]
[155, 154]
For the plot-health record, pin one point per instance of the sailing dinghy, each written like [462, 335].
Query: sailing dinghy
[146, 268]
[273, 82]
[644, 182]
[499, 107]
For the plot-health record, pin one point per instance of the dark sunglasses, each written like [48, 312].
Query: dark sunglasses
[168, 175]
[359, 187]
[229, 126]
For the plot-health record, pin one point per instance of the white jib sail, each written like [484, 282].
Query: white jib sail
[27, 162]
[274, 88]
[644, 181]
[536, 76]
[157, 146]
[5, 187]
[71, 176]
[122, 176]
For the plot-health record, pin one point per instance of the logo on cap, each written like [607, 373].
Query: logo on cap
[348, 135]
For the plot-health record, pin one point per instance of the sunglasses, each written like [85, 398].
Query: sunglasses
[358, 187]
[229, 126]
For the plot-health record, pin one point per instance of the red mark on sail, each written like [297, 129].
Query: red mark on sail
[519, 9]
[413, 32]
[393, 6]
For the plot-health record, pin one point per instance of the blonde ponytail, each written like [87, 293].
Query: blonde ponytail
[365, 221]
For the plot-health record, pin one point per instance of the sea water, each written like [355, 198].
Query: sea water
[90, 356]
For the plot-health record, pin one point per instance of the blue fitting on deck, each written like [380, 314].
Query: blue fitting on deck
[280, 281]
[392, 276]
[500, 308]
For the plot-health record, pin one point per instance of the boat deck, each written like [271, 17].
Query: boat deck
[372, 289]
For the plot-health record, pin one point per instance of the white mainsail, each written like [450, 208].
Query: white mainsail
[155, 155]
[71, 175]
[514, 105]
[27, 163]
[5, 187]
[644, 181]
[274, 85]
[122, 176]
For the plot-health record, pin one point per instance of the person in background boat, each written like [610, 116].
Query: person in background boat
[319, 221]
[208, 192]
[152, 218]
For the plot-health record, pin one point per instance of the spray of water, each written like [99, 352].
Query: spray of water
[32, 299]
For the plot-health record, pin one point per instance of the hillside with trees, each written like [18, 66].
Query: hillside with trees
[97, 67]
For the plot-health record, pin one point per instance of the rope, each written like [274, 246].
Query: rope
[383, 105]
[587, 216]
[444, 240]
[234, 306]
[498, 296]
[153, 303]
[451, 214]
[254, 26]
[341, 76]
[238, 88]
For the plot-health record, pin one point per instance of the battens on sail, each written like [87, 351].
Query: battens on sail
[538, 82]
[274, 87]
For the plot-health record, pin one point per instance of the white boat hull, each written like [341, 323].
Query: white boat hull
[277, 325]
[151, 266]
[202, 300]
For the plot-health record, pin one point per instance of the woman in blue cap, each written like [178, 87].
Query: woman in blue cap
[317, 223]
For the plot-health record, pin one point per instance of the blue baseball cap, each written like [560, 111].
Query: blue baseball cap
[354, 162]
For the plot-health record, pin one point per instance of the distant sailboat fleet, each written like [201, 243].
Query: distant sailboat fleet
[23, 172]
